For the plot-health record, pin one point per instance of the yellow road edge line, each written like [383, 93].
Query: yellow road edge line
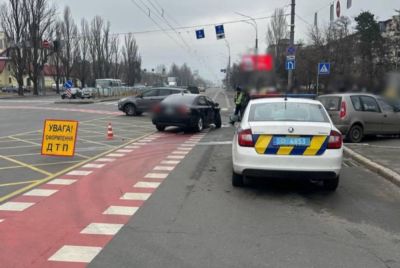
[26, 165]
[53, 176]
[17, 183]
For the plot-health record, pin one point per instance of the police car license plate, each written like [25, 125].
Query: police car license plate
[291, 141]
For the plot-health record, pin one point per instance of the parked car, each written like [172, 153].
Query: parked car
[358, 115]
[193, 90]
[75, 93]
[87, 93]
[144, 102]
[189, 111]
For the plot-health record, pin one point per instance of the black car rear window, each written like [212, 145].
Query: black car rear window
[179, 99]
[331, 103]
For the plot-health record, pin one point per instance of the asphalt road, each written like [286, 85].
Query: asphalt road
[195, 218]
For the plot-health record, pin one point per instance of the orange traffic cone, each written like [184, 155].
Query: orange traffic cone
[110, 134]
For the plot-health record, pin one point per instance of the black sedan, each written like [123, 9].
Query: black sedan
[188, 111]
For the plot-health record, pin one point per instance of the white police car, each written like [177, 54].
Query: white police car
[287, 137]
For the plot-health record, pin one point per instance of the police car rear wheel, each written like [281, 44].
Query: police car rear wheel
[331, 185]
[237, 180]
[199, 126]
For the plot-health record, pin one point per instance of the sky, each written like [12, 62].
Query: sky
[208, 55]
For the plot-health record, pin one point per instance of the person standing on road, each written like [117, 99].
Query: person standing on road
[238, 100]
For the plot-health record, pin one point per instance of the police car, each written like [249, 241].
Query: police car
[287, 137]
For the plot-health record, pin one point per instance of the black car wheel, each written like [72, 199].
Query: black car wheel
[130, 110]
[199, 125]
[331, 185]
[62, 96]
[160, 128]
[237, 180]
[217, 120]
[356, 134]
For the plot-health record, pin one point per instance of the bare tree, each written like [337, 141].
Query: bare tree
[131, 60]
[82, 63]
[13, 21]
[276, 34]
[40, 15]
[69, 34]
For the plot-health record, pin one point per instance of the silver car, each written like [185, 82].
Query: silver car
[357, 115]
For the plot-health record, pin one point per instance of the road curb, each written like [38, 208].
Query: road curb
[385, 172]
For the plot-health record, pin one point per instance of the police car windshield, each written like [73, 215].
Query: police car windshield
[287, 111]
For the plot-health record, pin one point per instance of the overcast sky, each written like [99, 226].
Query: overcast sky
[209, 55]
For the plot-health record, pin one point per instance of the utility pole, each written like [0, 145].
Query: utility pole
[228, 70]
[292, 27]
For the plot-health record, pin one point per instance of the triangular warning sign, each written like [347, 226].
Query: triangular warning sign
[324, 69]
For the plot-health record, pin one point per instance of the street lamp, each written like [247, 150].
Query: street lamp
[255, 26]
[228, 71]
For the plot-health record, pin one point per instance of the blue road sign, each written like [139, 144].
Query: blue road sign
[68, 84]
[290, 65]
[220, 31]
[200, 34]
[291, 50]
[324, 68]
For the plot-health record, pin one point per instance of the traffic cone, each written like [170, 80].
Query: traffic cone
[110, 134]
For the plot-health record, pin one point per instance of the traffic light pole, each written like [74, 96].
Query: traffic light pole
[292, 28]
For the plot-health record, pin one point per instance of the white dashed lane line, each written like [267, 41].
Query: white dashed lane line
[136, 196]
[105, 160]
[144, 184]
[93, 166]
[15, 206]
[102, 229]
[79, 173]
[61, 182]
[40, 192]
[78, 254]
[156, 176]
[121, 210]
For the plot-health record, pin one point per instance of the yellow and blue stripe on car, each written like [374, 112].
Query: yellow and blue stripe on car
[264, 145]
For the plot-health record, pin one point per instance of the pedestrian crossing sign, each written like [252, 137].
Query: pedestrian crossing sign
[324, 68]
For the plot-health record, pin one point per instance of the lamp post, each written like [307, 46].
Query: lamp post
[255, 26]
[228, 70]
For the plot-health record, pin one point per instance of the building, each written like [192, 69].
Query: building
[6, 77]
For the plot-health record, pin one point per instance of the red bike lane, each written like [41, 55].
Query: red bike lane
[66, 222]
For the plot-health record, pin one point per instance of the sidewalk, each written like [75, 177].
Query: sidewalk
[383, 153]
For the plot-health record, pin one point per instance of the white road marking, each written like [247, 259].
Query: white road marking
[180, 152]
[164, 168]
[106, 160]
[94, 165]
[15, 206]
[1, 220]
[184, 149]
[102, 229]
[147, 140]
[115, 155]
[124, 151]
[140, 143]
[40, 192]
[79, 173]
[61, 182]
[156, 176]
[136, 196]
[144, 184]
[75, 254]
[175, 157]
[188, 145]
[170, 162]
[120, 210]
